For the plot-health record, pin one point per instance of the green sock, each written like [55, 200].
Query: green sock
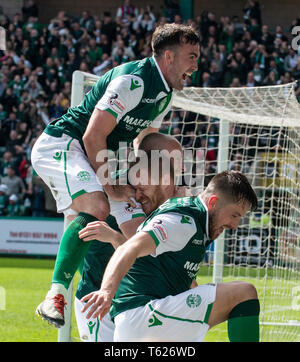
[243, 322]
[72, 250]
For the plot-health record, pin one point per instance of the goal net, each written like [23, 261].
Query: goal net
[257, 131]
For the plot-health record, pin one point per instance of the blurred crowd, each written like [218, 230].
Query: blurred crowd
[36, 74]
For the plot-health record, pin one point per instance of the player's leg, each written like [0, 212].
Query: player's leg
[238, 303]
[69, 258]
[91, 207]
[64, 167]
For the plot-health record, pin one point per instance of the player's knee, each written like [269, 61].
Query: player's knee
[102, 212]
[247, 291]
[95, 204]
[99, 208]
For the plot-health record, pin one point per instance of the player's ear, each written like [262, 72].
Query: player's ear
[212, 202]
[169, 56]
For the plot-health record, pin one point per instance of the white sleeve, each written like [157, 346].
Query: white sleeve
[170, 232]
[156, 123]
[122, 95]
[123, 212]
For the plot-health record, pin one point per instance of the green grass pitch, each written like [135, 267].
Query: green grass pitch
[26, 282]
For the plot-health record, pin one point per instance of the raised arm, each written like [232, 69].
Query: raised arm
[100, 126]
[139, 245]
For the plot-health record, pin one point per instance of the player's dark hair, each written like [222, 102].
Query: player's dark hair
[235, 186]
[169, 36]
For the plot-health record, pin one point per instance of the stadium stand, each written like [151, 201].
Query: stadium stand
[36, 72]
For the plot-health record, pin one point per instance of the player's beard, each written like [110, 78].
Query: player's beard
[213, 227]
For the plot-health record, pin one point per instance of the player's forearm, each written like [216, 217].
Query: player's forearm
[117, 240]
[116, 269]
[96, 150]
[141, 244]
[94, 139]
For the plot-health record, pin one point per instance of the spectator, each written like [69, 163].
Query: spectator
[238, 67]
[291, 60]
[38, 201]
[103, 66]
[109, 28]
[258, 74]
[145, 20]
[15, 185]
[172, 9]
[14, 144]
[279, 33]
[259, 55]
[95, 52]
[125, 11]
[252, 11]
[267, 39]
[9, 100]
[33, 87]
[28, 10]
[11, 122]
[23, 168]
[250, 80]
[6, 161]
[14, 208]
[87, 21]
[271, 78]
[121, 53]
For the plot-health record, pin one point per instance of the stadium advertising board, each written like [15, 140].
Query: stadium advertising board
[29, 236]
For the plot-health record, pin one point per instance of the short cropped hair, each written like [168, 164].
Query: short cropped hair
[171, 35]
[235, 186]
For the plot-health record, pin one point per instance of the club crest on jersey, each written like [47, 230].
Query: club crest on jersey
[83, 176]
[193, 300]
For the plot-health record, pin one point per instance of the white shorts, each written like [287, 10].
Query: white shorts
[93, 330]
[64, 167]
[179, 318]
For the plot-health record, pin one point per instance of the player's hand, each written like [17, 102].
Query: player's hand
[99, 303]
[97, 230]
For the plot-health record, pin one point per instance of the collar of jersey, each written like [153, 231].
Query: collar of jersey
[161, 75]
[201, 204]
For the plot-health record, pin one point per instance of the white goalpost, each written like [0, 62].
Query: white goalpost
[257, 131]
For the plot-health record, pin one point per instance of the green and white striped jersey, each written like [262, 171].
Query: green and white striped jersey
[136, 93]
[179, 228]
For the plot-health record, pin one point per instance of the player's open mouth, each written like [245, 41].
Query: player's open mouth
[184, 76]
